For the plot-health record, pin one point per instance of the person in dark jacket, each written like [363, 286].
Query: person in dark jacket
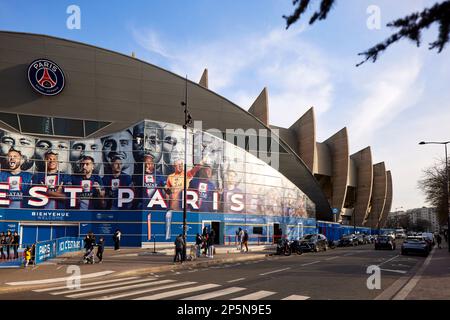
[15, 243]
[211, 237]
[198, 244]
[116, 238]
[179, 245]
[8, 241]
[100, 249]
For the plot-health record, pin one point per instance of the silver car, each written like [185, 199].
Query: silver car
[415, 244]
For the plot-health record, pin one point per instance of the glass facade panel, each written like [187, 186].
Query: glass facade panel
[35, 124]
[68, 127]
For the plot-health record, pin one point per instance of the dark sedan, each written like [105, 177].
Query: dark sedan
[314, 242]
[415, 244]
[385, 242]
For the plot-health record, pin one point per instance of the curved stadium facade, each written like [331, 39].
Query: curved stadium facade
[242, 172]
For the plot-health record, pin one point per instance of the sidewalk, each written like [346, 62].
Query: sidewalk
[126, 262]
[434, 282]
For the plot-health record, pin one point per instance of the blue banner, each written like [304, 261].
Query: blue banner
[45, 250]
[68, 244]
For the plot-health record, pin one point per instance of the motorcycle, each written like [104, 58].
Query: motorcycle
[295, 247]
[331, 244]
[283, 247]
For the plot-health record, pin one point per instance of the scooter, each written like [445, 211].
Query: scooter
[283, 247]
[295, 247]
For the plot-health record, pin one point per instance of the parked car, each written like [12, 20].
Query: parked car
[429, 237]
[415, 244]
[400, 235]
[369, 238]
[314, 242]
[348, 240]
[360, 238]
[385, 242]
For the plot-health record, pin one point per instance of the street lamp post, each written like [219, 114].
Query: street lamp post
[447, 184]
[187, 121]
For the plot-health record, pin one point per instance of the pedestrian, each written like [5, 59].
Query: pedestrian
[116, 238]
[179, 245]
[33, 253]
[89, 244]
[198, 244]
[245, 241]
[8, 241]
[210, 244]
[16, 241]
[241, 236]
[238, 238]
[438, 240]
[2, 245]
[27, 256]
[446, 235]
[100, 249]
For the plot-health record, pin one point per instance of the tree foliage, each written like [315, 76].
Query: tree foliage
[409, 27]
[434, 186]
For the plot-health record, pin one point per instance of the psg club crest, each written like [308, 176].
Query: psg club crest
[46, 77]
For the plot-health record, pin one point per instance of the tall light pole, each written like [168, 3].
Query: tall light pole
[187, 121]
[447, 184]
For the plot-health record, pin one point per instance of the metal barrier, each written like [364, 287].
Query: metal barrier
[49, 249]
[232, 240]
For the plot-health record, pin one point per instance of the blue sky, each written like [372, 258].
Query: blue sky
[390, 105]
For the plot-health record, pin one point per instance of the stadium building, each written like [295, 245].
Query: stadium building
[93, 140]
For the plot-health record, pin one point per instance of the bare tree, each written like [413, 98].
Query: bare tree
[434, 186]
[409, 27]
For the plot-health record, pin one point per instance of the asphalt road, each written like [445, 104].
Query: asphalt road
[332, 275]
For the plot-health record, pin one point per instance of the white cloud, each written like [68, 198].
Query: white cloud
[394, 89]
[294, 71]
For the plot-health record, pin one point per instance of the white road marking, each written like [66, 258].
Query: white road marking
[296, 297]
[389, 260]
[135, 293]
[178, 292]
[101, 286]
[215, 294]
[235, 280]
[309, 263]
[44, 281]
[140, 285]
[263, 274]
[332, 258]
[397, 271]
[85, 285]
[255, 296]
[406, 290]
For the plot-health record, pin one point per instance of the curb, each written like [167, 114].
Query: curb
[188, 265]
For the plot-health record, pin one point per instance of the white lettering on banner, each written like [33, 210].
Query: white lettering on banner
[125, 195]
[122, 199]
[192, 199]
[3, 200]
[237, 199]
[157, 199]
[73, 194]
[69, 244]
[35, 193]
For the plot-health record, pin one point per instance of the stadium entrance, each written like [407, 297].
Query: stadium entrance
[32, 233]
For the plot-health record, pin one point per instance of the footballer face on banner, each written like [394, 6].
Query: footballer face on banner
[88, 147]
[19, 142]
[61, 148]
[118, 145]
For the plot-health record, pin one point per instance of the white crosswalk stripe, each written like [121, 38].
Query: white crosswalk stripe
[101, 286]
[174, 293]
[256, 295]
[87, 294]
[135, 293]
[215, 294]
[296, 297]
[152, 288]
[83, 285]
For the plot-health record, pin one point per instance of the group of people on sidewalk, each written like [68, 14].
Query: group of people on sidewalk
[90, 243]
[203, 241]
[9, 245]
